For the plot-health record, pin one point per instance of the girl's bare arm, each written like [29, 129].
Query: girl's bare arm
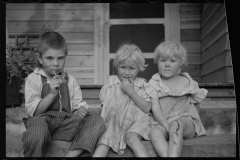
[157, 114]
[141, 103]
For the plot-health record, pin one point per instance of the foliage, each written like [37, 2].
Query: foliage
[16, 64]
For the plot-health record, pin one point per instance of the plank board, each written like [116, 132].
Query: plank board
[85, 81]
[190, 35]
[215, 34]
[221, 92]
[190, 9]
[190, 24]
[193, 59]
[218, 104]
[219, 76]
[220, 61]
[69, 37]
[81, 72]
[205, 6]
[52, 6]
[45, 15]
[218, 47]
[91, 93]
[193, 70]
[213, 21]
[193, 47]
[81, 47]
[79, 61]
[209, 12]
[59, 26]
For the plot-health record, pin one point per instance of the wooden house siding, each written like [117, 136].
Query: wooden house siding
[215, 49]
[201, 28]
[190, 37]
[75, 22]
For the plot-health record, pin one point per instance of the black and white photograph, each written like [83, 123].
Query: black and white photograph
[119, 80]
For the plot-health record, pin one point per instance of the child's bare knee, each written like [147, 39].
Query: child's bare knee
[156, 132]
[175, 128]
[131, 138]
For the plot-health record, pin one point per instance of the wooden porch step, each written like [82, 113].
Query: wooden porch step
[216, 92]
[222, 145]
[217, 112]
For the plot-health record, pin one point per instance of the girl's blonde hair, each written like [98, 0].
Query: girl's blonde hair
[128, 51]
[170, 49]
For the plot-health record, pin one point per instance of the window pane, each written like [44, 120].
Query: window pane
[146, 36]
[136, 10]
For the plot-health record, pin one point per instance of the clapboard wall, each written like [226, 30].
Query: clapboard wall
[190, 37]
[203, 32]
[74, 21]
[215, 46]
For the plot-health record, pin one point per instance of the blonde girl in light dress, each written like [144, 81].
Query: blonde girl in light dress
[174, 112]
[126, 101]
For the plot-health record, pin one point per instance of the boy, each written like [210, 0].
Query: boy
[53, 103]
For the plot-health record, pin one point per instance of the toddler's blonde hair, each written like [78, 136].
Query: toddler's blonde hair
[128, 51]
[170, 49]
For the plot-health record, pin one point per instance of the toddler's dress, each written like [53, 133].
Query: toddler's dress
[176, 103]
[121, 114]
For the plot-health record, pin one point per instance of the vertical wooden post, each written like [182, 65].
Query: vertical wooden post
[98, 43]
[175, 21]
[7, 42]
[167, 24]
[106, 59]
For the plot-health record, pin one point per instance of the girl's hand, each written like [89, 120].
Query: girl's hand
[127, 86]
[166, 126]
[55, 84]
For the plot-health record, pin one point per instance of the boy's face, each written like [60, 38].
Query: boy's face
[128, 69]
[52, 61]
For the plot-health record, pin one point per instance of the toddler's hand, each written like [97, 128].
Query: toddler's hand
[127, 86]
[166, 126]
[55, 84]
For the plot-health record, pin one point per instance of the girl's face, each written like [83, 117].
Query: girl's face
[52, 61]
[168, 67]
[128, 69]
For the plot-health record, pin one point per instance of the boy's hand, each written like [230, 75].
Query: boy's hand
[127, 86]
[83, 110]
[55, 84]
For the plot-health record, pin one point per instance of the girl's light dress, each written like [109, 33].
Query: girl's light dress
[121, 114]
[176, 103]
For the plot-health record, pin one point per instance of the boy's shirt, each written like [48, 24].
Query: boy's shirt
[33, 89]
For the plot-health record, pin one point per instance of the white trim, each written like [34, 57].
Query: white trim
[137, 21]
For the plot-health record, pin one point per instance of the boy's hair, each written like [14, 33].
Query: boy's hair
[132, 52]
[170, 49]
[51, 40]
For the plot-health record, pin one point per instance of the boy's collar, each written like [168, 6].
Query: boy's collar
[40, 72]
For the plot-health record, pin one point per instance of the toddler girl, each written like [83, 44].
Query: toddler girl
[126, 105]
[174, 114]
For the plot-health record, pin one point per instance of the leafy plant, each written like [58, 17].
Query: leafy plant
[16, 64]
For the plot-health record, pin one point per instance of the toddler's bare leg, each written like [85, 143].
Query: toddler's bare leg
[158, 137]
[101, 151]
[179, 129]
[74, 153]
[133, 141]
